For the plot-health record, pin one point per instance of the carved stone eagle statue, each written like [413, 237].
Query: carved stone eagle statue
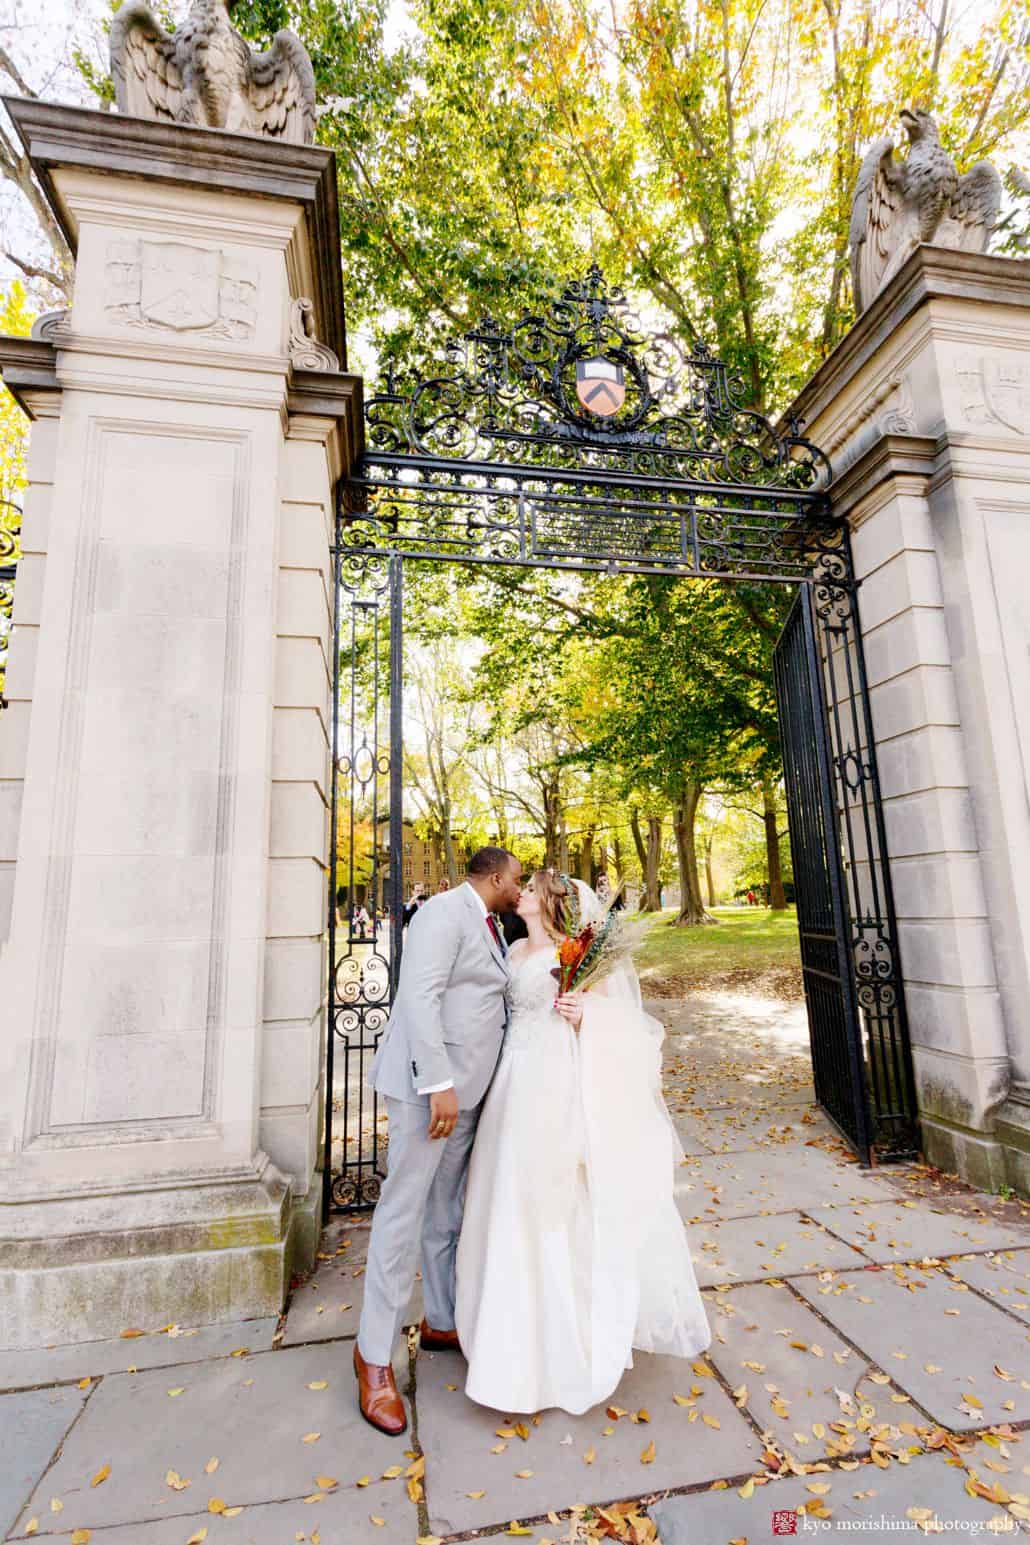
[898, 204]
[205, 74]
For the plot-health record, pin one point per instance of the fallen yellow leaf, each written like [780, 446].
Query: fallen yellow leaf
[311, 1437]
[177, 1391]
[380, 1523]
[523, 1475]
[175, 1480]
[81, 1536]
[498, 1448]
[748, 1488]
[589, 1456]
[127, 1335]
[32, 1527]
[516, 1528]
[198, 1538]
[319, 1384]
[216, 1505]
[476, 1496]
[392, 1473]
[325, 1482]
[365, 1480]
[710, 1421]
[429, 1539]
[648, 1456]
[234, 1512]
[85, 1383]
[211, 1467]
[101, 1475]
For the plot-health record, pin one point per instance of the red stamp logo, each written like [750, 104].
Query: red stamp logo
[785, 1521]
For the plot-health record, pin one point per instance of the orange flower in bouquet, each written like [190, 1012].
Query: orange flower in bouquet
[571, 954]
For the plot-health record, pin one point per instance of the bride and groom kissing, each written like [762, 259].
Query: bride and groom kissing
[531, 1161]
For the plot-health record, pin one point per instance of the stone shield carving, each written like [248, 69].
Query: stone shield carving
[995, 391]
[171, 286]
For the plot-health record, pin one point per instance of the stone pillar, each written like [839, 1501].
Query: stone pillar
[162, 977]
[924, 409]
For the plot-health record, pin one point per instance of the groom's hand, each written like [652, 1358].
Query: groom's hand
[443, 1113]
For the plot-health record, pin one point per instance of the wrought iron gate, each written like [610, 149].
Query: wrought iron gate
[510, 456]
[861, 1058]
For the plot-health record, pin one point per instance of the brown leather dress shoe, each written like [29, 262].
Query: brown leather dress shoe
[438, 1340]
[378, 1400]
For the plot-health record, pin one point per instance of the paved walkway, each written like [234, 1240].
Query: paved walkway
[870, 1362]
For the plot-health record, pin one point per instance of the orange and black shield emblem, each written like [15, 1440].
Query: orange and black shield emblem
[600, 386]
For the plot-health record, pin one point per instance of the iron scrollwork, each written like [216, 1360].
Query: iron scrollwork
[509, 394]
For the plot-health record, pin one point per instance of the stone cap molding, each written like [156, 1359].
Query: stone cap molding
[55, 136]
[930, 273]
[891, 456]
[321, 394]
[28, 365]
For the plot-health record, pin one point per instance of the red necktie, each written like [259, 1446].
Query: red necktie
[492, 925]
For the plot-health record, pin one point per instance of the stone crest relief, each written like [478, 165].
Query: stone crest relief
[994, 391]
[168, 285]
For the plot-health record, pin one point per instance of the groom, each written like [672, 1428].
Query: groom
[433, 1067]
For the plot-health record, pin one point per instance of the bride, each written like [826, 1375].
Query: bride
[572, 1252]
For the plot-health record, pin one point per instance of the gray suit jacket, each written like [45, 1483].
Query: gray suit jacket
[450, 1012]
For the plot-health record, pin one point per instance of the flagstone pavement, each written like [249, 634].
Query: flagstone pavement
[869, 1369]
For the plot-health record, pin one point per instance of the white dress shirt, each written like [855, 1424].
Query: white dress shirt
[481, 904]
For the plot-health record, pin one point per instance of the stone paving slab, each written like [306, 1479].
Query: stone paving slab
[688, 1131]
[90, 1359]
[32, 1425]
[911, 1231]
[748, 1184]
[327, 1307]
[885, 1318]
[457, 1437]
[732, 1131]
[250, 1412]
[343, 1517]
[1004, 1277]
[759, 1325]
[717, 1518]
[751, 1249]
[757, 1092]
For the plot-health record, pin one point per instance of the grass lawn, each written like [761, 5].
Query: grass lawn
[748, 949]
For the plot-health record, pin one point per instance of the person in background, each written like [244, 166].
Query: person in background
[418, 897]
[444, 885]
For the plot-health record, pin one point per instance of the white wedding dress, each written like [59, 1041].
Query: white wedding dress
[572, 1251]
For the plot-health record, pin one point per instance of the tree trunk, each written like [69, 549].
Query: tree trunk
[552, 818]
[709, 878]
[651, 899]
[586, 858]
[450, 857]
[638, 841]
[692, 907]
[777, 895]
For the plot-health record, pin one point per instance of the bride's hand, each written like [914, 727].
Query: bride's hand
[570, 1006]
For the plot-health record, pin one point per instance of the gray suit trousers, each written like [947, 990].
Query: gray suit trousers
[422, 1199]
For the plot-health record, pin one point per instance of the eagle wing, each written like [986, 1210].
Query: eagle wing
[281, 89]
[880, 220]
[973, 214]
[147, 78]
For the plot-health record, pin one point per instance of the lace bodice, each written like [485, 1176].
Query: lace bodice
[533, 988]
